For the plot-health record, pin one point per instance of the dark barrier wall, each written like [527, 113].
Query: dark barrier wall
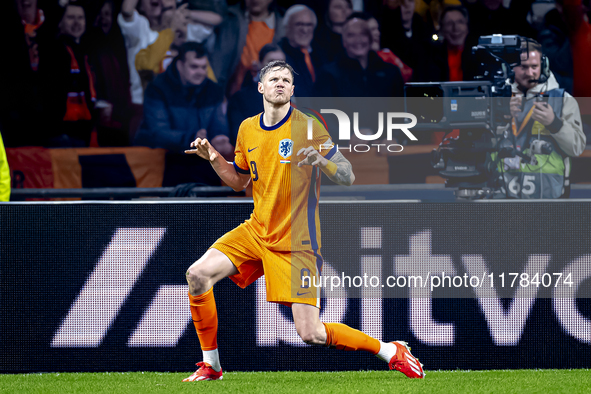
[101, 287]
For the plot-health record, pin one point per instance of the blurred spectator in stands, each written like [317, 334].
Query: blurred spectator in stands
[139, 28]
[248, 101]
[577, 20]
[318, 6]
[337, 13]
[384, 53]
[492, 17]
[216, 26]
[359, 72]
[430, 11]
[23, 26]
[108, 59]
[4, 174]
[182, 104]
[196, 21]
[301, 52]
[328, 36]
[452, 59]
[404, 32]
[556, 46]
[32, 19]
[69, 87]
[167, 13]
[156, 57]
[260, 24]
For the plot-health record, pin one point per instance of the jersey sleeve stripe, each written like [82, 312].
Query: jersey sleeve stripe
[240, 170]
[312, 202]
[331, 153]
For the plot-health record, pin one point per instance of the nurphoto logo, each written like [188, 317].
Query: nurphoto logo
[345, 130]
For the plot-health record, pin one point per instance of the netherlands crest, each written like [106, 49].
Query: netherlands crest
[285, 148]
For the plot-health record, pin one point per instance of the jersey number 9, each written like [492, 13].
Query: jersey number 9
[253, 168]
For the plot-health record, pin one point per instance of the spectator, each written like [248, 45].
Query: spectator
[260, 24]
[453, 60]
[196, 21]
[4, 174]
[301, 52]
[318, 6]
[430, 11]
[384, 53]
[359, 72]
[248, 102]
[109, 62]
[69, 88]
[555, 122]
[406, 35]
[156, 57]
[32, 19]
[338, 12]
[167, 13]
[556, 46]
[21, 110]
[181, 105]
[216, 26]
[139, 31]
[328, 35]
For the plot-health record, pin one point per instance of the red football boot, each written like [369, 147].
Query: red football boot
[405, 362]
[205, 372]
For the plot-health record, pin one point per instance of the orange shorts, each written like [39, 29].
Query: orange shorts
[289, 276]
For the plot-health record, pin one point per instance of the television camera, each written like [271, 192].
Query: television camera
[475, 108]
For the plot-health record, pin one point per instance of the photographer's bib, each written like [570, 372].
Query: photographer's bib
[546, 175]
[545, 179]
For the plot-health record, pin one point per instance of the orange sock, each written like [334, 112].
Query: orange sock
[344, 337]
[205, 319]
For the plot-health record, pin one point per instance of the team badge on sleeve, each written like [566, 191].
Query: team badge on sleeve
[285, 149]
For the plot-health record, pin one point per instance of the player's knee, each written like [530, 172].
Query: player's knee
[197, 279]
[310, 336]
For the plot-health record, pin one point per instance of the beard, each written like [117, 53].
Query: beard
[526, 83]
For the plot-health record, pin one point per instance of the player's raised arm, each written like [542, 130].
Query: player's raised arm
[338, 168]
[221, 166]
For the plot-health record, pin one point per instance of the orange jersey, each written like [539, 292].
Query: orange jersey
[285, 215]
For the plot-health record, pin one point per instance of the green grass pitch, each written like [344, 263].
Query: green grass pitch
[509, 381]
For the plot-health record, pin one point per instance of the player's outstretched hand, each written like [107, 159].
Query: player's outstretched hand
[312, 157]
[203, 149]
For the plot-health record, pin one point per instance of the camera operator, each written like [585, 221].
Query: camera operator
[545, 131]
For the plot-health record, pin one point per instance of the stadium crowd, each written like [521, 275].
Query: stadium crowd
[159, 73]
